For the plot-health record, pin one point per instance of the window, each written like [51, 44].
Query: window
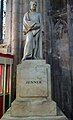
[2, 19]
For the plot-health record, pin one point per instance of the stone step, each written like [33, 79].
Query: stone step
[33, 108]
[8, 117]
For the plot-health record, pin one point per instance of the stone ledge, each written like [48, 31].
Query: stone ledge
[8, 117]
[34, 62]
[33, 108]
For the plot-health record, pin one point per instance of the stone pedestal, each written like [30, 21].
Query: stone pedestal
[33, 93]
[33, 90]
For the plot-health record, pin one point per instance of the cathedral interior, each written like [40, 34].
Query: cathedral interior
[57, 47]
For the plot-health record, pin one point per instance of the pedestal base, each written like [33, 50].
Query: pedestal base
[33, 93]
[7, 116]
[33, 108]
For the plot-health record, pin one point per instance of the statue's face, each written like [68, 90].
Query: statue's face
[33, 6]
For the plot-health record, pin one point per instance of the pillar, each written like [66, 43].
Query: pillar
[15, 40]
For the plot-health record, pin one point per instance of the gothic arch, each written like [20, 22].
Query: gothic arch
[60, 27]
[62, 42]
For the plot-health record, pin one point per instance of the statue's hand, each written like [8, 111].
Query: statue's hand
[25, 32]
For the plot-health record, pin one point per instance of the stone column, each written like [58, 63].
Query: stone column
[21, 3]
[15, 26]
[15, 39]
[46, 5]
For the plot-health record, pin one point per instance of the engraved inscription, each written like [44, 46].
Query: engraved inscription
[33, 82]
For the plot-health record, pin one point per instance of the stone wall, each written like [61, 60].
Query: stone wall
[61, 59]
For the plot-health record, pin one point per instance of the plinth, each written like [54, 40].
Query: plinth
[33, 93]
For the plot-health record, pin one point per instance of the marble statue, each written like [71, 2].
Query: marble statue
[33, 29]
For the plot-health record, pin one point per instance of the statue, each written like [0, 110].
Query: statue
[33, 29]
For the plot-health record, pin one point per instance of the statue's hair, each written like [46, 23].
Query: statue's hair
[33, 1]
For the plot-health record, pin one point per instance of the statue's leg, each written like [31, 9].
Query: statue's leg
[36, 45]
[28, 49]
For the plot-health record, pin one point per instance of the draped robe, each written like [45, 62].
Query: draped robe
[33, 27]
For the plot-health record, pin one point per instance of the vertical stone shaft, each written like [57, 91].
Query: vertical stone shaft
[46, 5]
[20, 28]
[15, 26]
[15, 39]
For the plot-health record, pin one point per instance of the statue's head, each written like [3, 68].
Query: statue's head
[33, 5]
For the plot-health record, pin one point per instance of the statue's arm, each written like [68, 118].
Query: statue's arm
[25, 18]
[26, 25]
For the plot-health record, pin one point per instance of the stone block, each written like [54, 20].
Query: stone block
[33, 90]
[8, 116]
[33, 79]
[33, 108]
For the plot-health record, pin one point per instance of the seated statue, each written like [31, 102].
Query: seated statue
[33, 29]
